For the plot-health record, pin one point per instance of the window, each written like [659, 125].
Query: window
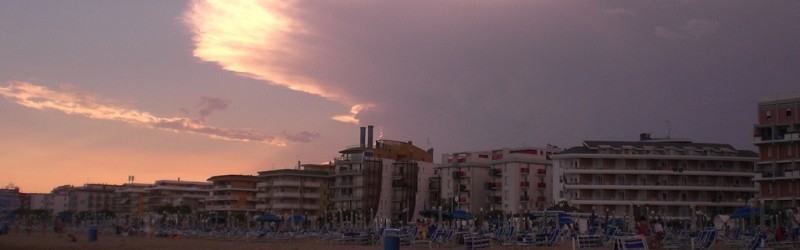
[788, 113]
[768, 114]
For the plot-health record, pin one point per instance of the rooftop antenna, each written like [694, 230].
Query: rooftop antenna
[428, 142]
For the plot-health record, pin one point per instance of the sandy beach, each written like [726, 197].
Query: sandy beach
[49, 240]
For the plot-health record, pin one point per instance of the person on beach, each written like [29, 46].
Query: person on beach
[659, 234]
[642, 227]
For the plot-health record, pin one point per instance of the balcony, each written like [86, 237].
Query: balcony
[312, 184]
[524, 171]
[286, 183]
[311, 195]
[524, 198]
[286, 194]
[497, 200]
[222, 198]
[463, 188]
[493, 185]
[263, 185]
[524, 184]
[311, 206]
[496, 172]
[541, 171]
[541, 185]
[286, 206]
[459, 175]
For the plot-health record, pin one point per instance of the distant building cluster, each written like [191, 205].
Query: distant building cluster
[665, 177]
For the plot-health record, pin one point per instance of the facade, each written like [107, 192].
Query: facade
[9, 199]
[131, 200]
[387, 180]
[294, 191]
[232, 194]
[177, 193]
[58, 199]
[464, 181]
[92, 198]
[512, 180]
[673, 179]
[34, 201]
[521, 179]
[777, 135]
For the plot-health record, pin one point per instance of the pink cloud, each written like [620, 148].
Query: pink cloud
[39, 97]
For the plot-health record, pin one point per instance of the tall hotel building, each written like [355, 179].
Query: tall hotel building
[232, 194]
[777, 135]
[512, 180]
[668, 178]
[387, 180]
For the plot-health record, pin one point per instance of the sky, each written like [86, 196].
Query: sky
[96, 91]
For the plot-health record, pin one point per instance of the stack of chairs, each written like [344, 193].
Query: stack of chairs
[476, 241]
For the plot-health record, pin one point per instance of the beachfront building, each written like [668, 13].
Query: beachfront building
[387, 180]
[464, 181]
[667, 178]
[131, 200]
[92, 197]
[232, 194]
[178, 193]
[9, 199]
[58, 199]
[33, 201]
[301, 191]
[777, 135]
[521, 179]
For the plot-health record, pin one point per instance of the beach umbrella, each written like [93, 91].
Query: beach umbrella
[463, 215]
[268, 217]
[744, 212]
[564, 219]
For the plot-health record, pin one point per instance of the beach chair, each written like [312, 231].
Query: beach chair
[709, 240]
[508, 239]
[630, 243]
[410, 235]
[551, 239]
[429, 240]
[446, 237]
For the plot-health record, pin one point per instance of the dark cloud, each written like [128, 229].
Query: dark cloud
[490, 74]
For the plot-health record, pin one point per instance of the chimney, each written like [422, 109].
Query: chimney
[369, 136]
[362, 142]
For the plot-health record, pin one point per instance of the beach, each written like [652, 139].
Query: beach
[49, 240]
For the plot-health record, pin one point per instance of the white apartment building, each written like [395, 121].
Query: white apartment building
[293, 191]
[464, 181]
[92, 198]
[669, 178]
[232, 194]
[521, 179]
[131, 200]
[177, 192]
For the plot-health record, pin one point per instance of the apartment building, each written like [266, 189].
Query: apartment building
[388, 179]
[177, 192]
[131, 200]
[232, 194]
[670, 178]
[294, 191]
[464, 181]
[92, 197]
[777, 136]
[521, 179]
[9, 199]
[58, 199]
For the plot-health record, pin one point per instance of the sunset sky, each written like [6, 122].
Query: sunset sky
[95, 91]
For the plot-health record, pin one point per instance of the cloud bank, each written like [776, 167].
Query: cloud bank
[39, 97]
[254, 38]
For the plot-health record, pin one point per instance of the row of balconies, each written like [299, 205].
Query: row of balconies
[230, 207]
[496, 185]
[297, 206]
[309, 195]
[311, 184]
